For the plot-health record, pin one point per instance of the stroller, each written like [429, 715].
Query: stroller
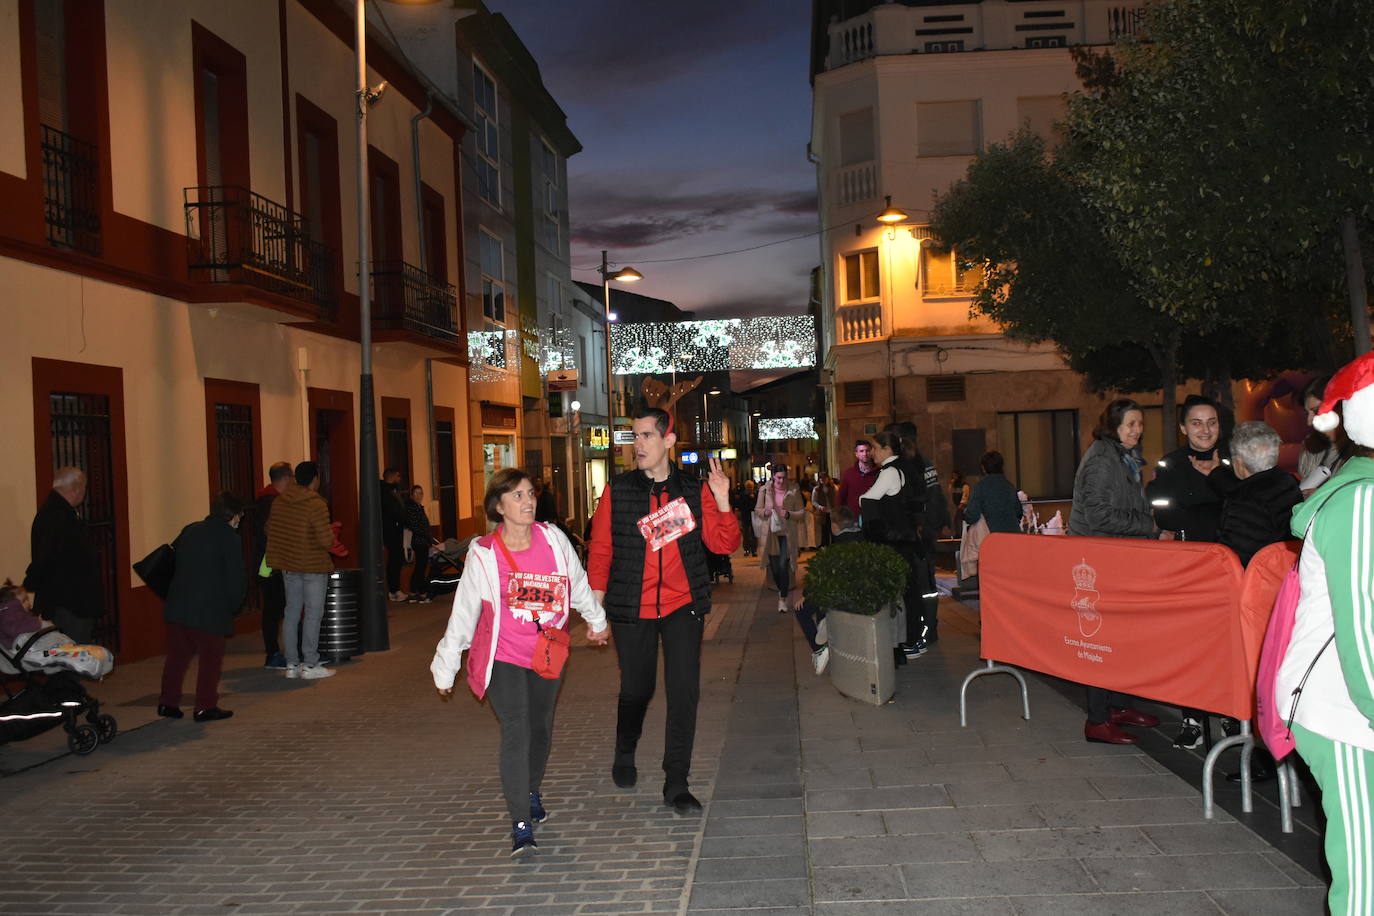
[52, 694]
[719, 566]
[446, 565]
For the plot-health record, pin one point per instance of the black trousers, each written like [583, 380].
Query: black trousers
[1099, 701]
[80, 629]
[419, 576]
[524, 703]
[394, 542]
[273, 591]
[636, 648]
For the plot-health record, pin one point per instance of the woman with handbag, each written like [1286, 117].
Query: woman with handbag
[780, 510]
[510, 615]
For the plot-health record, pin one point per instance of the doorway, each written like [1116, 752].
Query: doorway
[498, 452]
[446, 489]
[334, 449]
[79, 422]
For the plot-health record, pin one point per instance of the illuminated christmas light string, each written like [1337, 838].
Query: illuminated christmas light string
[788, 428]
[654, 348]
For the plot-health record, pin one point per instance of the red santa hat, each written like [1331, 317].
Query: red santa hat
[1354, 385]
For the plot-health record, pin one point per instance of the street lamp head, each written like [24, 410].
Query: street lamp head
[611, 316]
[714, 390]
[758, 413]
[891, 214]
[576, 406]
[628, 274]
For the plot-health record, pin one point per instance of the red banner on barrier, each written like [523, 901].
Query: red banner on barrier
[1160, 620]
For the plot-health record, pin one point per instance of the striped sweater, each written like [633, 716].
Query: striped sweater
[1337, 573]
[298, 532]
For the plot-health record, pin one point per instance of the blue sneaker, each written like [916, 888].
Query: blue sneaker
[522, 839]
[275, 662]
[537, 812]
[915, 649]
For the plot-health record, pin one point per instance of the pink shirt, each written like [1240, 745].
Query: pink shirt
[515, 644]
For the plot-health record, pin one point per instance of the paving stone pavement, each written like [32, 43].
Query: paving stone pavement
[363, 793]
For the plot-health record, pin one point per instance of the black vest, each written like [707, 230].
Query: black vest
[630, 501]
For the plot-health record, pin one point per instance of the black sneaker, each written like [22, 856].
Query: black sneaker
[1189, 736]
[1230, 727]
[537, 812]
[624, 777]
[684, 804]
[522, 839]
[915, 649]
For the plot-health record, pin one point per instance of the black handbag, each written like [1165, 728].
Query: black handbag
[157, 568]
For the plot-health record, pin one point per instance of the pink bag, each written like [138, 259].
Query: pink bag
[1278, 737]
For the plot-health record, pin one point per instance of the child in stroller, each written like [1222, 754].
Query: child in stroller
[48, 667]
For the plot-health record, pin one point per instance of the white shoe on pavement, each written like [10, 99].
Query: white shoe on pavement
[782, 606]
[315, 672]
[822, 633]
[293, 670]
[820, 658]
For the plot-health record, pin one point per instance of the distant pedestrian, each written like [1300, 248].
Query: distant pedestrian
[417, 523]
[742, 503]
[823, 500]
[207, 590]
[299, 537]
[994, 497]
[783, 512]
[64, 572]
[393, 531]
[271, 588]
[520, 580]
[546, 504]
[856, 480]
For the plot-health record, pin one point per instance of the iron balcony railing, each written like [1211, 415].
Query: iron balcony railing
[405, 298]
[71, 192]
[236, 236]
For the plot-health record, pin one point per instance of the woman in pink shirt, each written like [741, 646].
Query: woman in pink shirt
[521, 578]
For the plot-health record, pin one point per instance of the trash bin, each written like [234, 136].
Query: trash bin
[340, 627]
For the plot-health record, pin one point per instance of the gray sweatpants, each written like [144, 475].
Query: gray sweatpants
[524, 702]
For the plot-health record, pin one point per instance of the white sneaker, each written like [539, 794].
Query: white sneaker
[315, 672]
[293, 670]
[782, 605]
[822, 632]
[820, 658]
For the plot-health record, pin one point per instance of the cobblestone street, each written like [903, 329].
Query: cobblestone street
[363, 794]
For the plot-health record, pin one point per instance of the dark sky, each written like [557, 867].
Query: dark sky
[693, 117]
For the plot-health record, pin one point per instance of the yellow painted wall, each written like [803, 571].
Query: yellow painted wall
[11, 115]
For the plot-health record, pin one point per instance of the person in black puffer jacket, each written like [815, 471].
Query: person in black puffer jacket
[1259, 509]
[417, 523]
[1190, 482]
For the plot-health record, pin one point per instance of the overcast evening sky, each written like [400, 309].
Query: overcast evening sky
[693, 118]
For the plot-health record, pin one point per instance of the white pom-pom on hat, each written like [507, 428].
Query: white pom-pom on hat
[1354, 385]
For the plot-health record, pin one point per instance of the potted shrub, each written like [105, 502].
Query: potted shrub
[860, 587]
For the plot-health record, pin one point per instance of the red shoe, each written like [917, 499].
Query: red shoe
[1107, 733]
[1132, 717]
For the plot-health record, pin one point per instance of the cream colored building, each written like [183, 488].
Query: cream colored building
[178, 254]
[904, 96]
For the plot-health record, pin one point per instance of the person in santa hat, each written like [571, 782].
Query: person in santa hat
[1330, 660]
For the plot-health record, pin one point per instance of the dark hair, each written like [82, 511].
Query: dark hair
[387, 472]
[306, 472]
[414, 487]
[501, 483]
[906, 431]
[279, 471]
[777, 469]
[659, 415]
[992, 462]
[859, 442]
[1196, 400]
[889, 441]
[226, 505]
[1315, 388]
[1113, 415]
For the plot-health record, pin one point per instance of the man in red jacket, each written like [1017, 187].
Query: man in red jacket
[648, 567]
[855, 481]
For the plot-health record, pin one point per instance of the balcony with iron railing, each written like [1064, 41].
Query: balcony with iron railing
[405, 298]
[71, 192]
[236, 236]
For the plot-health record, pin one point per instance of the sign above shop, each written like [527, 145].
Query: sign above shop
[563, 380]
[624, 437]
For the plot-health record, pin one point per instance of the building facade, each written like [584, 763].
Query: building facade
[178, 246]
[905, 94]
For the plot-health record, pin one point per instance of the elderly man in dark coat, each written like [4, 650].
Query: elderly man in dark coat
[64, 567]
[207, 591]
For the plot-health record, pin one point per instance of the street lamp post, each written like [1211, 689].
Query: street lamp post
[371, 608]
[628, 275]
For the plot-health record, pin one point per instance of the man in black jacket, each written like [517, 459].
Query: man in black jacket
[1257, 512]
[923, 626]
[64, 568]
[393, 531]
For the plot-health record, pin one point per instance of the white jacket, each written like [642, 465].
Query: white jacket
[474, 626]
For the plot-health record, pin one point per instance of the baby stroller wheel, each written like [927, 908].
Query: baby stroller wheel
[82, 740]
[106, 727]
